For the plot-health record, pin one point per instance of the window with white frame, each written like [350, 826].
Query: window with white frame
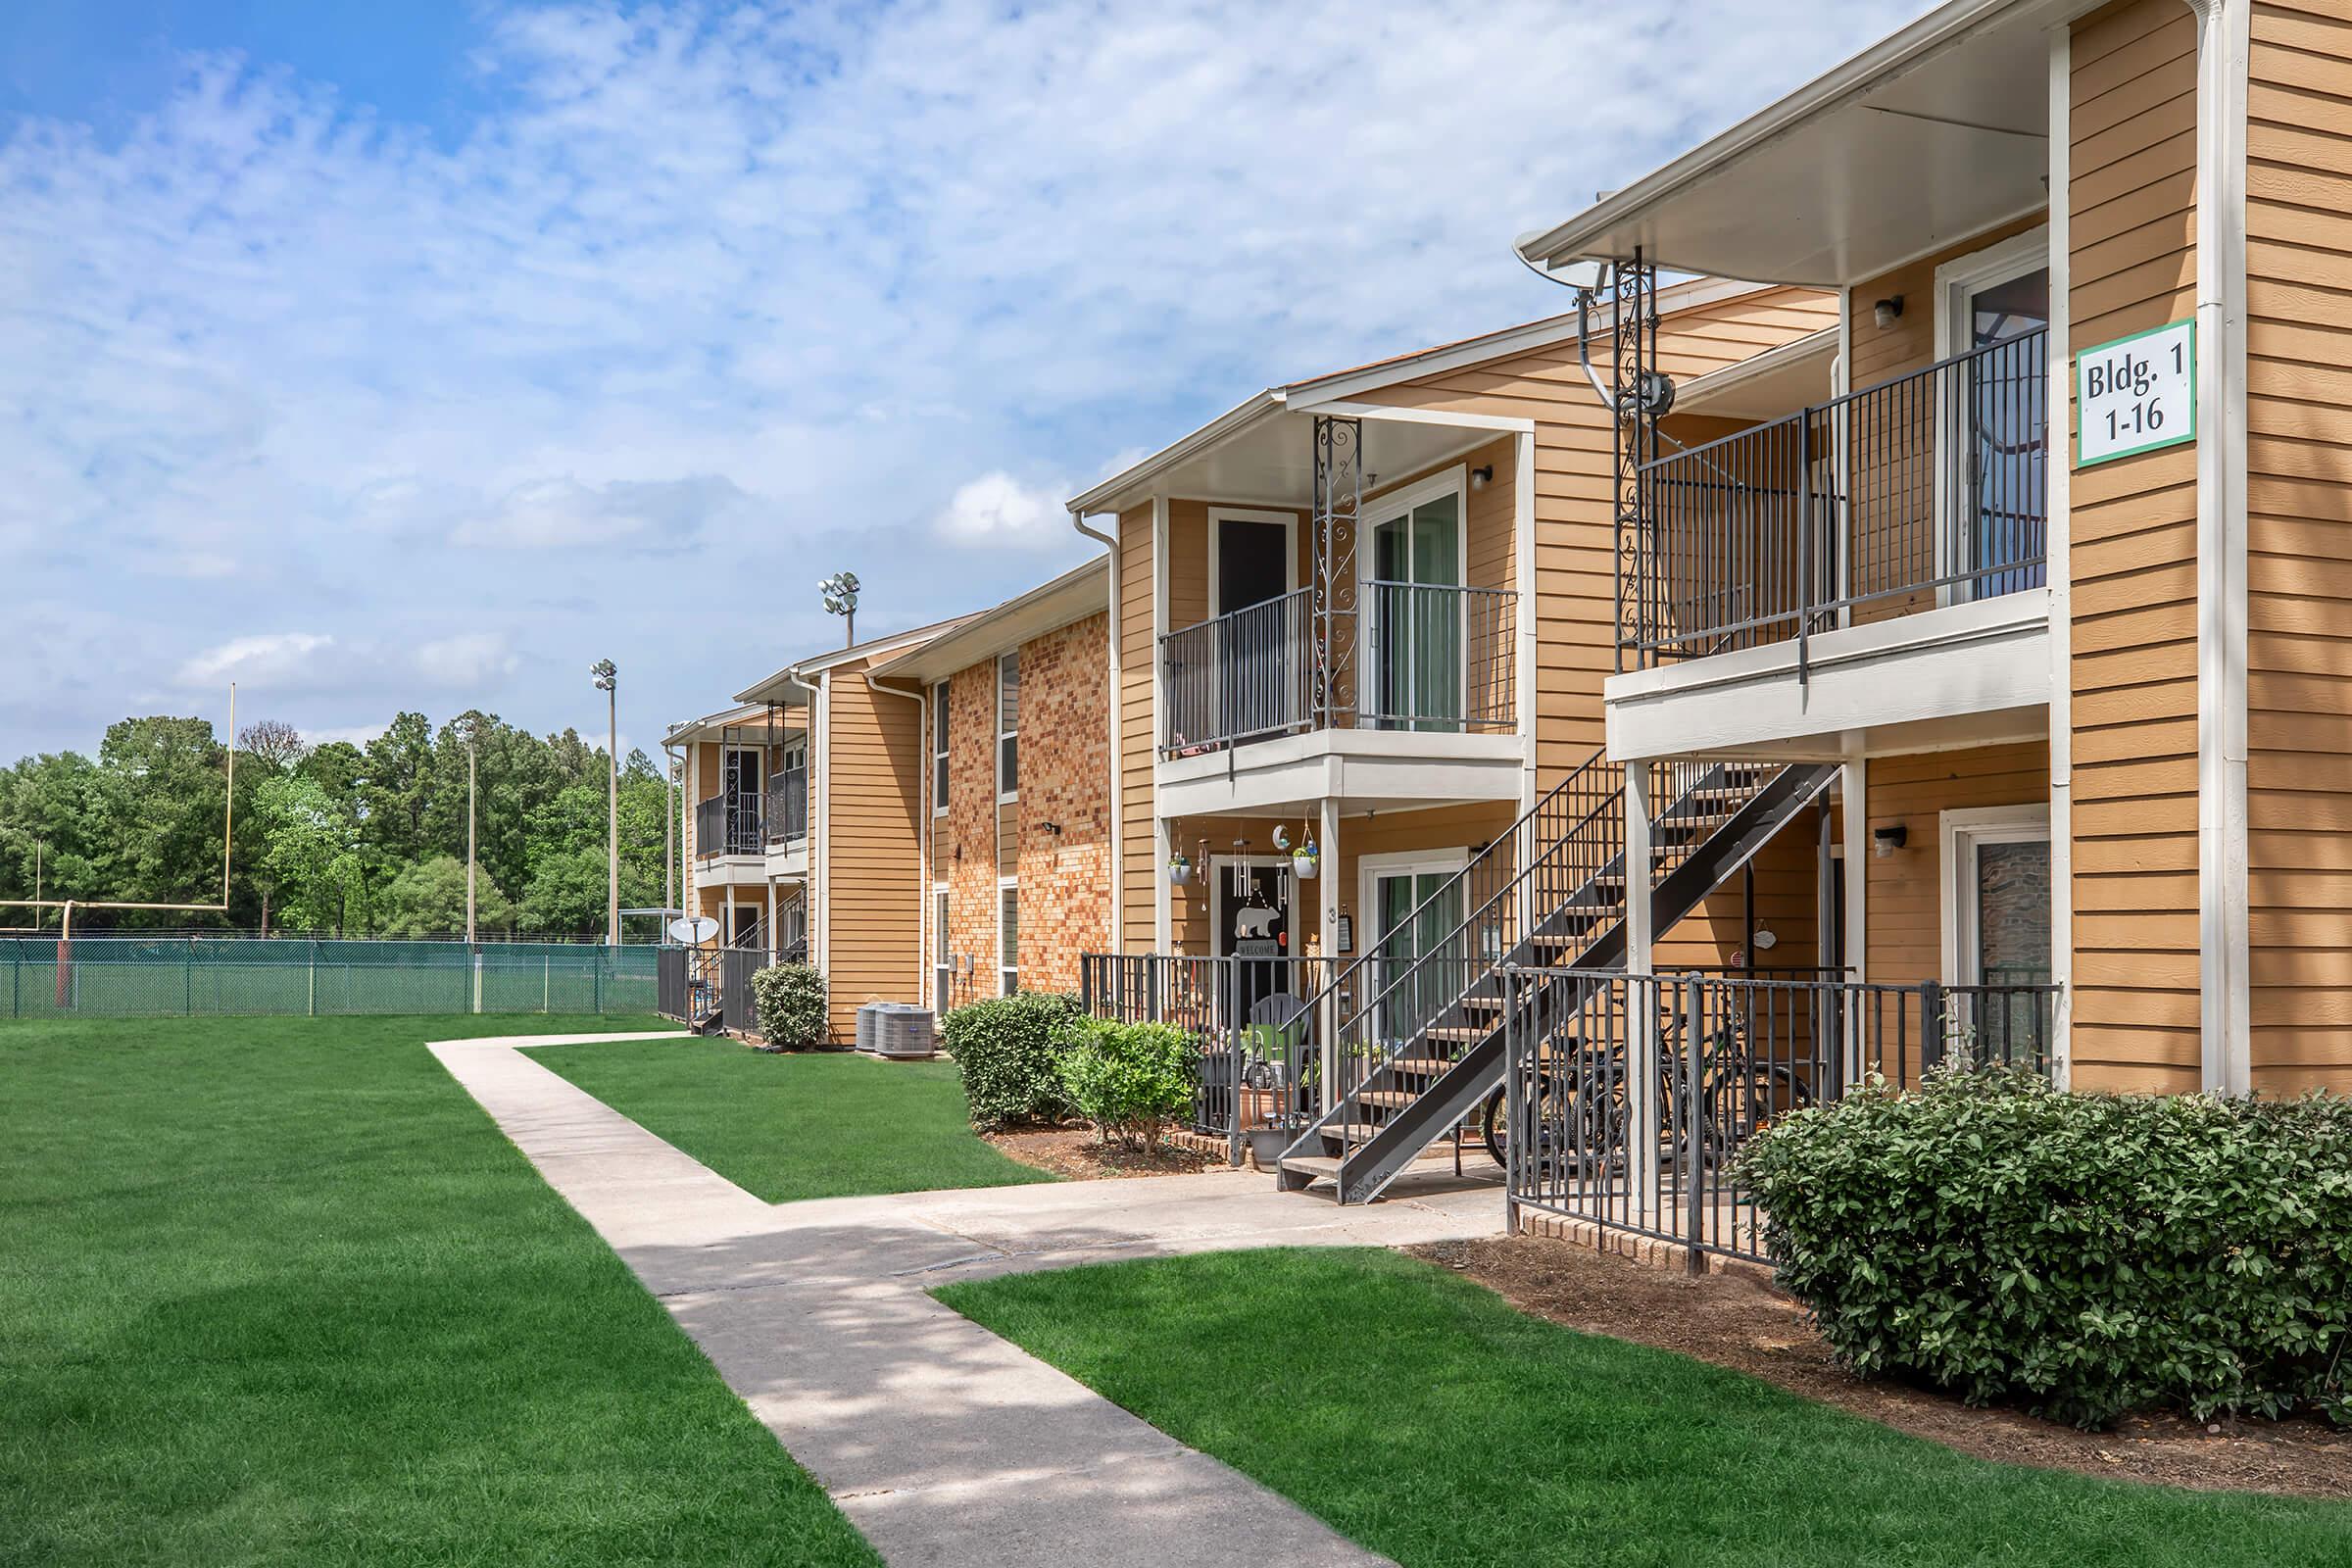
[943, 967]
[939, 749]
[1009, 938]
[1008, 726]
[1993, 315]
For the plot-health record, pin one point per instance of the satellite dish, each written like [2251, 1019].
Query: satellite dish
[694, 930]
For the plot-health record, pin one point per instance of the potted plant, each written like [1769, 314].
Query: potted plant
[1180, 869]
[1305, 860]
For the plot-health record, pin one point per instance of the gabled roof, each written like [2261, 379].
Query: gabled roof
[779, 687]
[1076, 594]
[1126, 487]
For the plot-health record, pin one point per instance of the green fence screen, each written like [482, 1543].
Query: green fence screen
[131, 977]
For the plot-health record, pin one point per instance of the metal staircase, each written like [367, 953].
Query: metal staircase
[1418, 1043]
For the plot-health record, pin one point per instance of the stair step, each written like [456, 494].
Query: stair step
[1420, 1066]
[1397, 1098]
[1458, 1031]
[1325, 1165]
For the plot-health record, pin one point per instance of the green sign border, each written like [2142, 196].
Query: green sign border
[2183, 439]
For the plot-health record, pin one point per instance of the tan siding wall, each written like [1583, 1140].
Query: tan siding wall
[1140, 871]
[1904, 910]
[2134, 562]
[875, 758]
[2299, 544]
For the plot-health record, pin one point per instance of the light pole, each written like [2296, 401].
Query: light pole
[472, 735]
[841, 599]
[607, 681]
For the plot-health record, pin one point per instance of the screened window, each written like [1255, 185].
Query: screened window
[1008, 725]
[1009, 939]
[943, 970]
[939, 748]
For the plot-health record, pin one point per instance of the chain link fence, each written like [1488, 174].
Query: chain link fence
[194, 977]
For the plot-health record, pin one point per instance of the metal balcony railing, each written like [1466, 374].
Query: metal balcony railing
[726, 824]
[787, 808]
[1927, 489]
[1437, 659]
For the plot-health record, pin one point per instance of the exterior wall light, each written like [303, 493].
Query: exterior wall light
[1884, 841]
[1482, 477]
[1888, 312]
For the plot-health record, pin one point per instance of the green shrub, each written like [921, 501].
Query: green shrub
[1006, 1048]
[2083, 1255]
[1130, 1079]
[790, 999]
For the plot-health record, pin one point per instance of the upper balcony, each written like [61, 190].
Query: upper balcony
[1862, 569]
[1335, 609]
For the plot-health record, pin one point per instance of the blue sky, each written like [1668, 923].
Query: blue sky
[417, 355]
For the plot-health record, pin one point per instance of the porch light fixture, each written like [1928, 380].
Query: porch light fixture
[1482, 477]
[1884, 841]
[1888, 312]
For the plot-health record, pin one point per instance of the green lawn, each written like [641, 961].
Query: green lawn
[276, 1292]
[1424, 1417]
[784, 1127]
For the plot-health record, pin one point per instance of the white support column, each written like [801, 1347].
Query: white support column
[1163, 910]
[1641, 1011]
[2057, 551]
[1328, 844]
[1853, 800]
[771, 919]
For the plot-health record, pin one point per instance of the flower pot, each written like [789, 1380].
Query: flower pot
[1303, 866]
[1266, 1144]
[1180, 872]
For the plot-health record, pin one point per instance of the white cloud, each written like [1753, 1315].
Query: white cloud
[285, 660]
[709, 291]
[470, 658]
[356, 734]
[996, 508]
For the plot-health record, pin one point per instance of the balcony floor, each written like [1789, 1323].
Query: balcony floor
[1392, 769]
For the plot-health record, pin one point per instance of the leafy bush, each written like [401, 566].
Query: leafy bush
[2081, 1254]
[1006, 1048]
[790, 999]
[1130, 1079]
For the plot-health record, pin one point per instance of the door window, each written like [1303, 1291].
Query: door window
[1998, 475]
[1421, 911]
[1416, 612]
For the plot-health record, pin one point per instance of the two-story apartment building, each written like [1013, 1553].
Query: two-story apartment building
[744, 857]
[2053, 578]
[1015, 764]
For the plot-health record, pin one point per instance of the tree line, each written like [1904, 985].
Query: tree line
[337, 839]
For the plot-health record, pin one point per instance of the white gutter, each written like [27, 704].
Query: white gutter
[1119, 833]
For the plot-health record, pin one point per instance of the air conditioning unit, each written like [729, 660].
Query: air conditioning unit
[895, 1029]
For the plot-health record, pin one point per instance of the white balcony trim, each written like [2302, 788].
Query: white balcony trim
[1986, 656]
[1360, 768]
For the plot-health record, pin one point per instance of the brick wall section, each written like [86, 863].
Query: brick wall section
[1065, 780]
[969, 829]
[1065, 762]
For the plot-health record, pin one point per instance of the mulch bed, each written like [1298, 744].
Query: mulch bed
[1074, 1152]
[1733, 1320]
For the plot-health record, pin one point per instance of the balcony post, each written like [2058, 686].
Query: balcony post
[1804, 544]
[1327, 937]
[1641, 1002]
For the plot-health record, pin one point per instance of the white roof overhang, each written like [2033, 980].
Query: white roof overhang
[1938, 132]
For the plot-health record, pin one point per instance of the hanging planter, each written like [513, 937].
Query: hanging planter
[1305, 862]
[1180, 869]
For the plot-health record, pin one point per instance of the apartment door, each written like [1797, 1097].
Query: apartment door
[1258, 665]
[1417, 909]
[1996, 484]
[1997, 925]
[1253, 924]
[1414, 612]
[743, 801]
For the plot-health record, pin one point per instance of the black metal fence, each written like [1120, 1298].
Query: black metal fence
[727, 824]
[1262, 1068]
[787, 808]
[1933, 484]
[1628, 1098]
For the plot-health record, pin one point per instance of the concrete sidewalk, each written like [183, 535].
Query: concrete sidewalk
[943, 1443]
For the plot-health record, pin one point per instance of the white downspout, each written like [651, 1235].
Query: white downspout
[1116, 937]
[820, 772]
[2057, 554]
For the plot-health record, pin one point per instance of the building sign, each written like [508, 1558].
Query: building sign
[2137, 394]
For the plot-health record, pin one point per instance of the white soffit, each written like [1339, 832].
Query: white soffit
[1271, 461]
[1779, 380]
[1935, 134]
